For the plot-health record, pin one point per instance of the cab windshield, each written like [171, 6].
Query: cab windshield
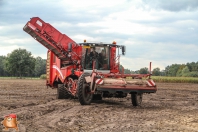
[100, 54]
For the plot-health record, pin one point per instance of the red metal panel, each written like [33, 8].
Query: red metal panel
[52, 39]
[57, 44]
[128, 87]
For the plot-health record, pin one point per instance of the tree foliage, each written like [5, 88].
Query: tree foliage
[174, 70]
[3, 72]
[156, 72]
[127, 71]
[144, 70]
[185, 70]
[40, 66]
[20, 63]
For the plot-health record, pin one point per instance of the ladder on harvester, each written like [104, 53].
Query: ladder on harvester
[48, 67]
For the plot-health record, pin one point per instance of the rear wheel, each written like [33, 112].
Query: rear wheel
[136, 99]
[62, 92]
[84, 93]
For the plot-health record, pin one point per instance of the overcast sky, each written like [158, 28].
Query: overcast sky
[157, 31]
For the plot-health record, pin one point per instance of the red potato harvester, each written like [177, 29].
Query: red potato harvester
[87, 70]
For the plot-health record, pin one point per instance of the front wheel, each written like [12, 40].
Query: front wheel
[84, 93]
[136, 99]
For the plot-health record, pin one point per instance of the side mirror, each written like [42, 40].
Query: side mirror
[70, 47]
[123, 50]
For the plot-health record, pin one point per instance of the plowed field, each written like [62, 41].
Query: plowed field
[173, 108]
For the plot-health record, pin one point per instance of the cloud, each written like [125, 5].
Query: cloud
[1, 2]
[151, 30]
[173, 5]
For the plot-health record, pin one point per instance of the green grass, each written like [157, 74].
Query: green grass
[19, 78]
[175, 79]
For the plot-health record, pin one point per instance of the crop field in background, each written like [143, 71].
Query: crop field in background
[175, 79]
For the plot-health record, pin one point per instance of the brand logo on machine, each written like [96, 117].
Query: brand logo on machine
[10, 122]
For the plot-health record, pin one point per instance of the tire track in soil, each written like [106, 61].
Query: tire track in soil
[151, 120]
[21, 113]
[34, 115]
[54, 118]
[44, 117]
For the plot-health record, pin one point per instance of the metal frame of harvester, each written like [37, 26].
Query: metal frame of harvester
[70, 69]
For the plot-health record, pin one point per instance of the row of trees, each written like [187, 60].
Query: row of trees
[174, 70]
[21, 63]
[145, 70]
[184, 70]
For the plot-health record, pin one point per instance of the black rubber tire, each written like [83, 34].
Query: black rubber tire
[84, 97]
[83, 61]
[62, 93]
[136, 99]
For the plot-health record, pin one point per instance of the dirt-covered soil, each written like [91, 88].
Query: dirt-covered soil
[173, 108]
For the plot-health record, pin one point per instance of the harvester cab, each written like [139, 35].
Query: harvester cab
[99, 54]
[102, 57]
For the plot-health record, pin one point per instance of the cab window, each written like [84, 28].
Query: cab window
[100, 54]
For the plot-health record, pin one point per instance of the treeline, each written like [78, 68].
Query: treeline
[182, 70]
[174, 70]
[21, 63]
